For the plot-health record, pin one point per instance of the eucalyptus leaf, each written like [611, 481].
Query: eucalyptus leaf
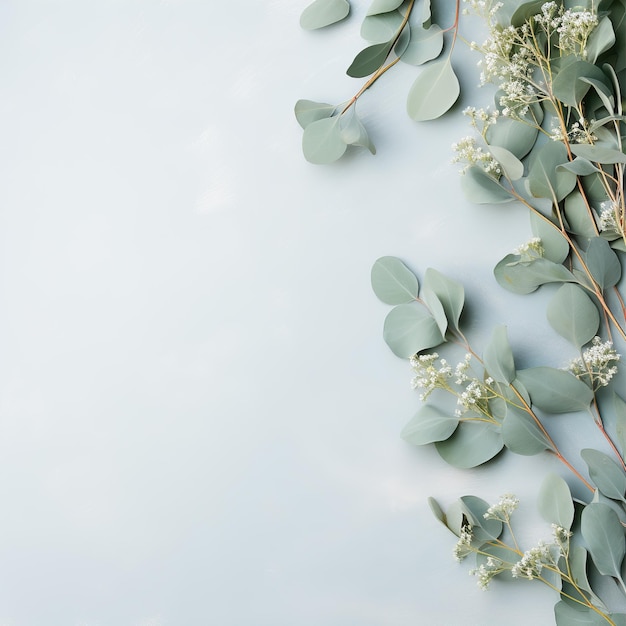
[449, 292]
[604, 535]
[383, 6]
[481, 188]
[436, 308]
[523, 278]
[353, 132]
[544, 179]
[513, 168]
[606, 475]
[524, 11]
[322, 142]
[598, 154]
[555, 246]
[437, 510]
[579, 166]
[604, 93]
[603, 263]
[566, 615]
[601, 39]
[428, 425]
[472, 444]
[515, 136]
[434, 91]
[578, 568]
[555, 391]
[393, 282]
[567, 86]
[475, 509]
[521, 433]
[381, 28]
[577, 214]
[308, 111]
[322, 13]
[555, 502]
[424, 45]
[409, 329]
[369, 59]
[573, 315]
[498, 356]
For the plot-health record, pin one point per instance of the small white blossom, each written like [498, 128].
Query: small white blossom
[533, 561]
[503, 509]
[597, 364]
[429, 376]
[469, 153]
[463, 545]
[486, 571]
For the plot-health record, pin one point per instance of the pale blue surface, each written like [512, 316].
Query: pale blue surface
[199, 420]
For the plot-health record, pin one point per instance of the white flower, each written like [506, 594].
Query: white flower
[596, 366]
[503, 509]
[533, 561]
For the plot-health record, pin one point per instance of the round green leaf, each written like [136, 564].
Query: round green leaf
[555, 391]
[481, 188]
[603, 262]
[522, 435]
[449, 292]
[512, 166]
[515, 136]
[424, 45]
[393, 282]
[381, 28]
[545, 180]
[428, 425]
[598, 154]
[322, 13]
[526, 277]
[605, 473]
[409, 329]
[308, 111]
[322, 142]
[472, 444]
[434, 92]
[383, 6]
[555, 246]
[555, 502]
[604, 535]
[369, 59]
[353, 132]
[573, 315]
[567, 615]
[498, 357]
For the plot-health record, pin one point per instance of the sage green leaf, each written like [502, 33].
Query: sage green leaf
[604, 535]
[322, 142]
[544, 179]
[513, 168]
[619, 619]
[515, 136]
[437, 510]
[601, 39]
[555, 246]
[525, 278]
[393, 282]
[322, 13]
[402, 42]
[605, 473]
[598, 154]
[619, 406]
[522, 435]
[555, 391]
[455, 518]
[573, 315]
[369, 60]
[577, 215]
[610, 70]
[566, 615]
[604, 93]
[428, 425]
[524, 11]
[567, 86]
[381, 28]
[603, 263]
[426, 14]
[409, 329]
[308, 111]
[449, 292]
[425, 45]
[434, 91]
[474, 509]
[383, 6]
[578, 568]
[555, 502]
[579, 166]
[498, 356]
[481, 188]
[353, 132]
[436, 309]
[472, 444]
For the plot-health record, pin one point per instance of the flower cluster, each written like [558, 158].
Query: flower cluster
[486, 571]
[429, 376]
[533, 561]
[530, 250]
[610, 218]
[504, 509]
[578, 132]
[597, 364]
[463, 546]
[475, 397]
[470, 153]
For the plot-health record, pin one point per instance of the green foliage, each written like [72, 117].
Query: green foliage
[434, 92]
[321, 13]
[410, 329]
[393, 282]
[573, 315]
[555, 501]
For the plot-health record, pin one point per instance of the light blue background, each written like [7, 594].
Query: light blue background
[199, 420]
